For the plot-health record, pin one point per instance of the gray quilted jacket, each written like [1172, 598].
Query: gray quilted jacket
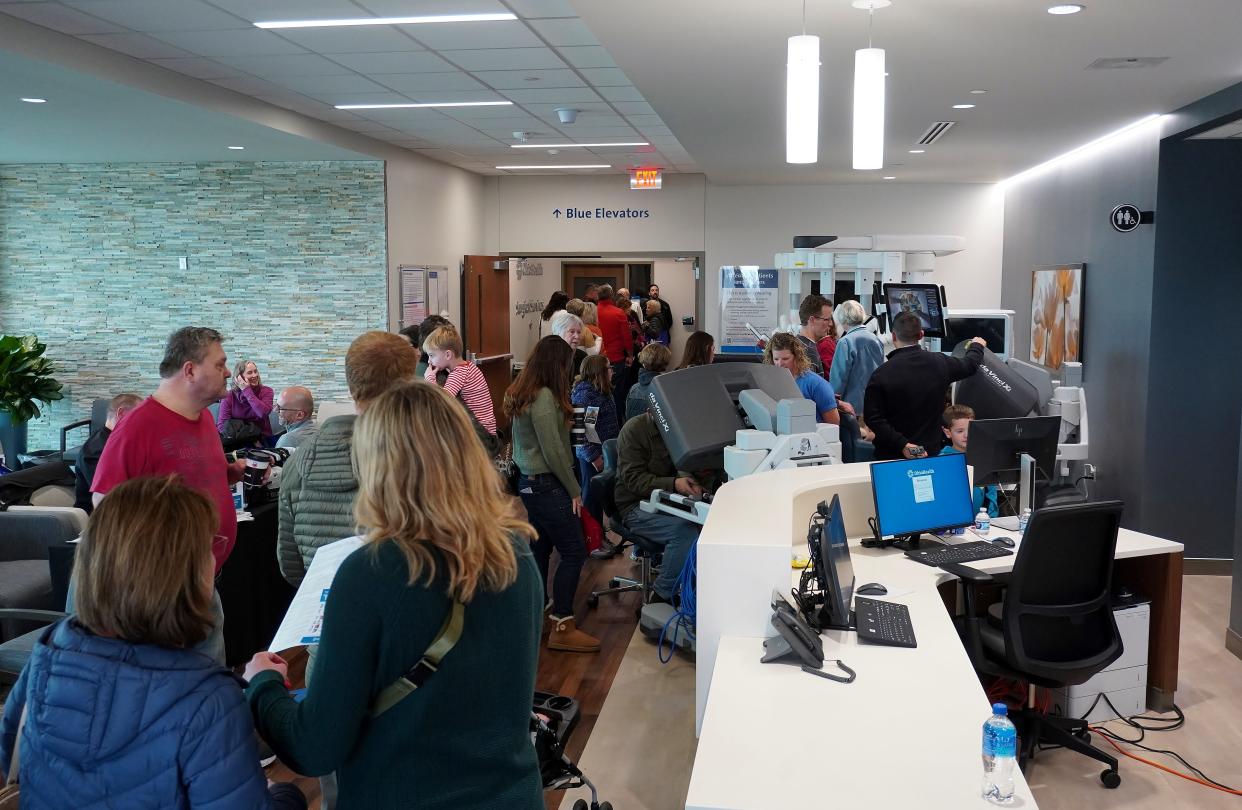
[317, 490]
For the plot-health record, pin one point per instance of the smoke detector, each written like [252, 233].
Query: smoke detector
[522, 136]
[567, 115]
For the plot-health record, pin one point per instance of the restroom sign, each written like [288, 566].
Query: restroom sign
[646, 179]
[1126, 218]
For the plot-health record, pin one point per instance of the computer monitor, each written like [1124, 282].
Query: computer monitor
[921, 495]
[835, 572]
[697, 411]
[921, 299]
[994, 447]
[992, 328]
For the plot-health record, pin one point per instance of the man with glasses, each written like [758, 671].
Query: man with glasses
[295, 408]
[815, 314]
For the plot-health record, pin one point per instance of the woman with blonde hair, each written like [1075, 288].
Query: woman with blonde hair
[249, 400]
[430, 638]
[786, 350]
[114, 706]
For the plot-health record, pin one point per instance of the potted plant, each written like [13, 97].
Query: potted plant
[25, 381]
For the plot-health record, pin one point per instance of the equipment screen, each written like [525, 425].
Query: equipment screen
[964, 328]
[834, 554]
[921, 299]
[922, 495]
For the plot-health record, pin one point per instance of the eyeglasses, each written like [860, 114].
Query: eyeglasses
[290, 410]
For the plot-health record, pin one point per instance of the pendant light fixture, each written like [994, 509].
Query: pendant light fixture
[869, 96]
[802, 97]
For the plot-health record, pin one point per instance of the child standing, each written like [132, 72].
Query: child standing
[443, 349]
[956, 423]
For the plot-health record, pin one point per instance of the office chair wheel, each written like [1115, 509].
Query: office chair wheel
[592, 601]
[1110, 778]
[581, 804]
[605, 806]
[1083, 735]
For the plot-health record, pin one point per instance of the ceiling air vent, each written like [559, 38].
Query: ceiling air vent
[935, 131]
[1126, 62]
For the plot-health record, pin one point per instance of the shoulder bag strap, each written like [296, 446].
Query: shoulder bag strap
[445, 640]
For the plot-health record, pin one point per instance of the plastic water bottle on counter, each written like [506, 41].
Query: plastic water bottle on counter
[1024, 519]
[983, 522]
[1000, 755]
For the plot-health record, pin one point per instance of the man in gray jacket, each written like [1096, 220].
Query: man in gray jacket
[318, 486]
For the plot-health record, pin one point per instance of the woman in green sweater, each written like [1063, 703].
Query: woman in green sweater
[443, 543]
[538, 404]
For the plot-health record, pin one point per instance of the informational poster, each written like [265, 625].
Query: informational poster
[413, 295]
[749, 309]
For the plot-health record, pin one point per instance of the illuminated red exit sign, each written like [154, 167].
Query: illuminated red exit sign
[645, 179]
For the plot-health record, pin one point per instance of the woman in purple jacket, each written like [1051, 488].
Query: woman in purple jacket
[250, 400]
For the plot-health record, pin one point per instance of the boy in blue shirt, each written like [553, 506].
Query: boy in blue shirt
[956, 423]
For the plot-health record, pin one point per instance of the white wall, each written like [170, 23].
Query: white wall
[750, 224]
[676, 280]
[436, 215]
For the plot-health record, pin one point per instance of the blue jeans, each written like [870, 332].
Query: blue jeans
[676, 535]
[550, 510]
[621, 382]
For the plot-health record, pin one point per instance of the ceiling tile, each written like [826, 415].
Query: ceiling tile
[549, 110]
[516, 79]
[294, 64]
[645, 120]
[160, 15]
[332, 98]
[558, 96]
[393, 62]
[542, 8]
[606, 77]
[256, 10]
[634, 108]
[661, 141]
[590, 133]
[250, 42]
[621, 93]
[392, 8]
[417, 82]
[441, 96]
[199, 68]
[138, 45]
[61, 18]
[249, 86]
[405, 118]
[342, 85]
[461, 36]
[478, 113]
[360, 39]
[564, 32]
[506, 59]
[593, 56]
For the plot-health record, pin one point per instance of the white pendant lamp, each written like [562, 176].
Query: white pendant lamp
[802, 100]
[869, 98]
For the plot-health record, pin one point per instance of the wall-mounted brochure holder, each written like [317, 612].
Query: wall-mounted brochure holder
[424, 291]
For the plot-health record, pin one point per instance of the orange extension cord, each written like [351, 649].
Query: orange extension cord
[1187, 777]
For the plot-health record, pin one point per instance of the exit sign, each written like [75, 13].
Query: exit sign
[646, 179]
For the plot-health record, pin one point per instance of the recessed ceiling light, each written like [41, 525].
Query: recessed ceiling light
[977, 92]
[917, 151]
[572, 145]
[890, 177]
[417, 106]
[563, 166]
[533, 79]
[963, 106]
[425, 19]
[239, 148]
[35, 100]
[1066, 8]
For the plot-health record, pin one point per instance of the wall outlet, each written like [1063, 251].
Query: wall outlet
[1088, 471]
[183, 262]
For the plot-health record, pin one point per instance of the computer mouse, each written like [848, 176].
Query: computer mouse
[871, 589]
[1124, 592]
[1003, 541]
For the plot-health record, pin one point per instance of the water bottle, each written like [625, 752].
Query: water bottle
[1000, 751]
[983, 522]
[1024, 519]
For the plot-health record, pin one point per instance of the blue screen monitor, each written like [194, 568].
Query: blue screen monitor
[921, 495]
[836, 574]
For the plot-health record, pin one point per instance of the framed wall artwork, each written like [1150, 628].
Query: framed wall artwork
[1056, 315]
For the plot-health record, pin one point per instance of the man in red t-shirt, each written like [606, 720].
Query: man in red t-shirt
[172, 433]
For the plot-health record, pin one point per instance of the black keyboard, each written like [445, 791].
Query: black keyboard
[884, 622]
[960, 553]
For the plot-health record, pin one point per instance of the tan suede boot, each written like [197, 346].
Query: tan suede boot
[566, 636]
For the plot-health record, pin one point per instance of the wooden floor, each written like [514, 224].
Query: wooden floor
[646, 765]
[586, 677]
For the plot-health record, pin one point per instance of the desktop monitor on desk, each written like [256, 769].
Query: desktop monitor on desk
[834, 569]
[920, 495]
[1007, 451]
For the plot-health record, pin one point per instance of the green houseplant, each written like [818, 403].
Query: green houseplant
[25, 381]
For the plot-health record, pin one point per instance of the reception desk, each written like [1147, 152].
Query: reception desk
[907, 731]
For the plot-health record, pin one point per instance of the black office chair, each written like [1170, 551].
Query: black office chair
[99, 415]
[1054, 626]
[648, 552]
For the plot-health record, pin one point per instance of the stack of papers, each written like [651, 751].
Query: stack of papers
[304, 619]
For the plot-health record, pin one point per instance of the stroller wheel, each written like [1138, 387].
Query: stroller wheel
[581, 804]
[605, 806]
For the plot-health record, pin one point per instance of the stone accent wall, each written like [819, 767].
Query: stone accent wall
[287, 260]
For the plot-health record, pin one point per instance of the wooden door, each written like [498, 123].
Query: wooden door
[577, 276]
[486, 327]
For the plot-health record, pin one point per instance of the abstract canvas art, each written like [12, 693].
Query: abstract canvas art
[1056, 315]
